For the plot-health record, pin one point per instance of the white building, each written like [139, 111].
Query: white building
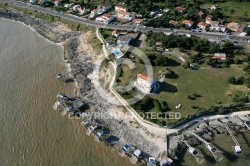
[33, 1]
[145, 83]
[68, 5]
[126, 16]
[106, 18]
[121, 8]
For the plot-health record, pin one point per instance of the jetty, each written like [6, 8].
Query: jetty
[237, 148]
[199, 158]
[216, 153]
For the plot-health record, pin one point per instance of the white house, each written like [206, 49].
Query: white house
[209, 19]
[33, 1]
[57, 2]
[125, 16]
[121, 8]
[106, 18]
[68, 5]
[93, 13]
[213, 7]
[145, 83]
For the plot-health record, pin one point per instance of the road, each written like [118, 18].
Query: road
[211, 35]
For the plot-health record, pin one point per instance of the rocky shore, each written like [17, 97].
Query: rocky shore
[86, 99]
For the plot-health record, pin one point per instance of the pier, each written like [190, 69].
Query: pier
[199, 158]
[216, 153]
[237, 148]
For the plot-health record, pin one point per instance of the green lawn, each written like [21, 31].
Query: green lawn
[210, 83]
[240, 10]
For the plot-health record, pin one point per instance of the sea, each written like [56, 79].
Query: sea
[31, 132]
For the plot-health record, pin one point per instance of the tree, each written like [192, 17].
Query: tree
[248, 32]
[232, 11]
[247, 81]
[228, 45]
[161, 60]
[232, 80]
[209, 61]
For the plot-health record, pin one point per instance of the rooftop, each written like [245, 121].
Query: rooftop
[144, 77]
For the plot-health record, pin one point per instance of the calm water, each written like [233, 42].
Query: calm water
[31, 132]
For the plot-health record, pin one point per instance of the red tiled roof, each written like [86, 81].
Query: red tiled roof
[219, 57]
[202, 24]
[123, 13]
[187, 22]
[115, 32]
[144, 77]
[180, 9]
[173, 22]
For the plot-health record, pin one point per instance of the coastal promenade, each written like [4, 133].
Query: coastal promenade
[81, 20]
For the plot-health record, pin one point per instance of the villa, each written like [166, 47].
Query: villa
[145, 83]
[209, 19]
[124, 40]
[125, 16]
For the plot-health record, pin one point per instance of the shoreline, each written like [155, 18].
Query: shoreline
[96, 102]
[74, 56]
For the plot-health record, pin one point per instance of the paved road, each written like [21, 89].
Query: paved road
[87, 22]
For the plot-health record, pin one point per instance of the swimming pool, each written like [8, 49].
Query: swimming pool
[118, 53]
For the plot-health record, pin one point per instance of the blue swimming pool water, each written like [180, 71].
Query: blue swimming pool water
[117, 52]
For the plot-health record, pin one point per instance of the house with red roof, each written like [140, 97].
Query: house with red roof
[202, 25]
[145, 83]
[188, 23]
[173, 22]
[115, 33]
[220, 56]
[181, 9]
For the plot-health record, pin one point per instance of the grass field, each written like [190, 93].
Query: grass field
[241, 10]
[210, 83]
